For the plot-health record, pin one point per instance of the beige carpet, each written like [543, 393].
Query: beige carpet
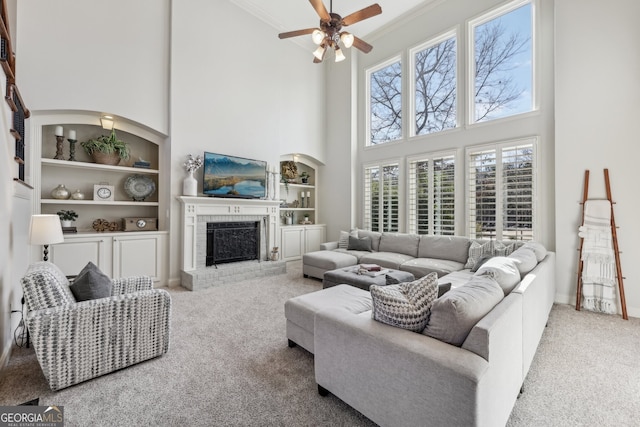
[229, 365]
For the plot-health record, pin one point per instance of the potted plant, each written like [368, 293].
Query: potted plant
[107, 150]
[67, 217]
[304, 176]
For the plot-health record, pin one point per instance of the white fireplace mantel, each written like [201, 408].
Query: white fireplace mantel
[194, 207]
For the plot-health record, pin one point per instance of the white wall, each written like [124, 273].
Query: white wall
[597, 108]
[237, 89]
[95, 55]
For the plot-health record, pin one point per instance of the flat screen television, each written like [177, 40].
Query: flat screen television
[230, 176]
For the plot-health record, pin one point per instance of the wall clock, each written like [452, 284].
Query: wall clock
[103, 193]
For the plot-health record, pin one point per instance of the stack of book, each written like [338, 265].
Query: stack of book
[372, 270]
[142, 164]
[69, 230]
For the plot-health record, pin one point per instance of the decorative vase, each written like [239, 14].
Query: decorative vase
[289, 220]
[77, 195]
[190, 185]
[66, 222]
[60, 192]
[111, 159]
[274, 254]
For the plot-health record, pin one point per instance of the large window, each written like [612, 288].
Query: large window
[501, 190]
[381, 197]
[434, 85]
[502, 63]
[432, 194]
[384, 85]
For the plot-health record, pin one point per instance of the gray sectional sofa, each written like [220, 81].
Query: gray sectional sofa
[398, 377]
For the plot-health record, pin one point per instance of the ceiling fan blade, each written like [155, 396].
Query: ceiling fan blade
[296, 33]
[362, 45]
[362, 14]
[318, 5]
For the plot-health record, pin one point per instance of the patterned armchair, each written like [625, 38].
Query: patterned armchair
[77, 341]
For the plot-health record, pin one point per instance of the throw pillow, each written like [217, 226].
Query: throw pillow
[91, 283]
[343, 240]
[480, 262]
[359, 244]
[442, 287]
[537, 248]
[500, 249]
[503, 270]
[456, 313]
[477, 250]
[405, 305]
[527, 260]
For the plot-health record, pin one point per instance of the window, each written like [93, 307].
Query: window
[434, 85]
[502, 63]
[381, 197]
[432, 195]
[384, 89]
[508, 213]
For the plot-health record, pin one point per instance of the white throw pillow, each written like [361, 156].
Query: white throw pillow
[343, 240]
[503, 270]
[527, 260]
[537, 248]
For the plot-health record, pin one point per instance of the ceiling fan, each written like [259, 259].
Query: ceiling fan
[329, 34]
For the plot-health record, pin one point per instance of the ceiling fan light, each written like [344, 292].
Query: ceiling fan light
[317, 36]
[347, 39]
[339, 55]
[319, 52]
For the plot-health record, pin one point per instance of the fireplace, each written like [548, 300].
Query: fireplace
[232, 242]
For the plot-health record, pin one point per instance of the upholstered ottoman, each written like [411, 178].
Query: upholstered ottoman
[314, 264]
[350, 276]
[301, 310]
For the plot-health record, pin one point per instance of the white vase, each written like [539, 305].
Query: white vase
[190, 185]
[66, 223]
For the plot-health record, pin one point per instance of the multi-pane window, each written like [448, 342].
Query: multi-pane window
[385, 102]
[381, 197]
[501, 191]
[432, 195]
[502, 63]
[434, 85]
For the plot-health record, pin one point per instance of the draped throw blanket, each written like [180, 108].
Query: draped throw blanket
[598, 271]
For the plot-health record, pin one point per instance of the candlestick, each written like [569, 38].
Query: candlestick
[72, 148]
[59, 131]
[59, 142]
[72, 135]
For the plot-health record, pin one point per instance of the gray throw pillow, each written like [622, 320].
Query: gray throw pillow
[454, 314]
[405, 305]
[480, 262]
[343, 241]
[477, 250]
[359, 244]
[91, 283]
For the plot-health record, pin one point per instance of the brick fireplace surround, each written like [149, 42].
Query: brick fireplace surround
[197, 212]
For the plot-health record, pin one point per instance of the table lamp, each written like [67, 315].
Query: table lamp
[45, 230]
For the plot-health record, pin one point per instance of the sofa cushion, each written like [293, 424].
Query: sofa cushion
[329, 260]
[477, 250]
[359, 243]
[422, 266]
[386, 259]
[453, 248]
[454, 314]
[356, 254]
[526, 258]
[481, 262]
[537, 248]
[405, 305]
[400, 243]
[91, 283]
[375, 238]
[503, 270]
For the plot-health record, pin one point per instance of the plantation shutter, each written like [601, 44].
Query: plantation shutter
[371, 195]
[432, 195]
[389, 196]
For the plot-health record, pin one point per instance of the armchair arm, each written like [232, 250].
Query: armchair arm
[81, 341]
[129, 285]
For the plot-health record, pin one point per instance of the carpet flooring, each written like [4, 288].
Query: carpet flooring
[229, 365]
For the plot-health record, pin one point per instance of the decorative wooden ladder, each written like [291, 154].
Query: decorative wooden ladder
[614, 237]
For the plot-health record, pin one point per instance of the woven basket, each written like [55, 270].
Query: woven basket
[106, 158]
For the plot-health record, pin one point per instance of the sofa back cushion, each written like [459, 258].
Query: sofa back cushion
[503, 270]
[400, 243]
[45, 286]
[374, 236]
[455, 313]
[452, 248]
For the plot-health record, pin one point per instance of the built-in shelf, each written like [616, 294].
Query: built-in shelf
[96, 203]
[95, 166]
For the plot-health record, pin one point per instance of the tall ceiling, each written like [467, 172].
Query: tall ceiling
[289, 15]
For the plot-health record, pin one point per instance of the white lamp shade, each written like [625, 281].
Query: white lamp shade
[339, 55]
[347, 39]
[317, 36]
[45, 230]
[319, 52]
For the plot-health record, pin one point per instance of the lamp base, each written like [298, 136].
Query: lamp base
[46, 253]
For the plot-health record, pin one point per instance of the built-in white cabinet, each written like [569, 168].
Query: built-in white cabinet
[296, 240]
[118, 253]
[298, 192]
